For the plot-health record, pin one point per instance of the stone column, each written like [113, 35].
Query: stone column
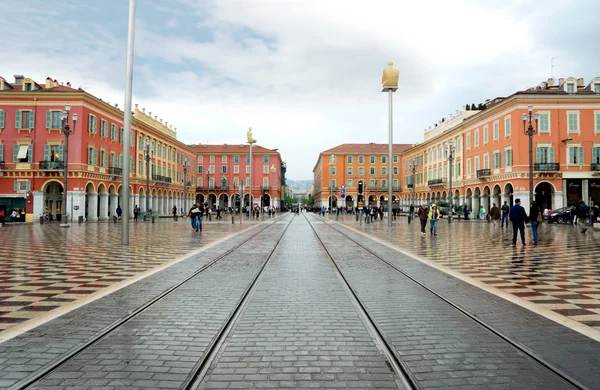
[557, 200]
[142, 203]
[485, 202]
[524, 196]
[155, 203]
[113, 200]
[585, 190]
[103, 206]
[461, 200]
[38, 205]
[475, 205]
[76, 200]
[92, 201]
[136, 200]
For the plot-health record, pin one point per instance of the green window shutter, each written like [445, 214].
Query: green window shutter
[131, 166]
[121, 135]
[538, 155]
[18, 119]
[95, 125]
[31, 119]
[580, 161]
[594, 154]
[90, 125]
[15, 152]
[95, 156]
[1, 152]
[60, 153]
[121, 160]
[105, 160]
[551, 154]
[48, 119]
[46, 152]
[30, 153]
[28, 186]
[571, 155]
[16, 185]
[2, 119]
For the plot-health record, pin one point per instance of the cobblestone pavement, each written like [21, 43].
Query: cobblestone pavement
[561, 274]
[45, 267]
[442, 347]
[160, 347]
[299, 328]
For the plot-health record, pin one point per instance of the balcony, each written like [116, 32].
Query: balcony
[51, 165]
[2, 165]
[546, 167]
[161, 179]
[436, 182]
[595, 166]
[481, 173]
[115, 171]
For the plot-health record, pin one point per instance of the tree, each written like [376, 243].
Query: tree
[473, 108]
[310, 201]
[481, 107]
[467, 107]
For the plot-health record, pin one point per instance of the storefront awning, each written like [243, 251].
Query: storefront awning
[23, 151]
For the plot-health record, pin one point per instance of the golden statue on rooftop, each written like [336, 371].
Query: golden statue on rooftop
[249, 135]
[390, 76]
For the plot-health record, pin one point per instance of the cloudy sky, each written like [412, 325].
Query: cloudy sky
[304, 74]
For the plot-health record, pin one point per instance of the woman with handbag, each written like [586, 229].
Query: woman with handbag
[535, 217]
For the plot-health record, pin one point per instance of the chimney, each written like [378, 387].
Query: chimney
[69, 84]
[550, 82]
[561, 81]
[49, 83]
[19, 79]
[580, 82]
[55, 82]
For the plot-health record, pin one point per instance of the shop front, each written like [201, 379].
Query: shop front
[594, 190]
[574, 191]
[10, 204]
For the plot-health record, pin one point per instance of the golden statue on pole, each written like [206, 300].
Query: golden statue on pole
[390, 76]
[249, 135]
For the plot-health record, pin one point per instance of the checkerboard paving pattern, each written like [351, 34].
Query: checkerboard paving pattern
[561, 273]
[43, 267]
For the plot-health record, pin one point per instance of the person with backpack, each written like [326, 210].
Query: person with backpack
[505, 211]
[582, 212]
[518, 217]
[423, 214]
[535, 216]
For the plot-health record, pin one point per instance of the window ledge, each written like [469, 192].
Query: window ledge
[24, 129]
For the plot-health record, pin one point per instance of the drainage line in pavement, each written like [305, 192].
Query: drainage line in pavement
[195, 378]
[543, 362]
[56, 364]
[405, 374]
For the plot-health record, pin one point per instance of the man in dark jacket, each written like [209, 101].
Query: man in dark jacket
[505, 210]
[518, 217]
[422, 213]
[582, 213]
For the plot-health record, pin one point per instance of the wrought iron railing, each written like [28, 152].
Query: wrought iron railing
[484, 173]
[51, 165]
[436, 182]
[546, 167]
[115, 171]
[162, 179]
[595, 166]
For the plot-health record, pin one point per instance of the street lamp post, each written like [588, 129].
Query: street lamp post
[390, 85]
[186, 165]
[223, 188]
[251, 140]
[413, 168]
[450, 148]
[147, 157]
[67, 131]
[273, 171]
[530, 132]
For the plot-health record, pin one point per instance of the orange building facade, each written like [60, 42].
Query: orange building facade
[491, 158]
[347, 165]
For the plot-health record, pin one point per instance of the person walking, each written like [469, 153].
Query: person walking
[518, 217]
[422, 213]
[119, 212]
[434, 216]
[582, 213]
[466, 212]
[495, 214]
[535, 216]
[505, 212]
[136, 212]
[411, 210]
[174, 211]
[193, 215]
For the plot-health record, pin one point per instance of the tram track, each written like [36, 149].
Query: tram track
[56, 364]
[574, 383]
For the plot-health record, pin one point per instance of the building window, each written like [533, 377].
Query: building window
[496, 160]
[573, 122]
[476, 163]
[224, 159]
[544, 154]
[361, 159]
[508, 158]
[395, 184]
[53, 119]
[372, 159]
[597, 88]
[2, 116]
[384, 170]
[24, 119]
[372, 171]
[349, 159]
[265, 169]
[485, 134]
[361, 171]
[596, 155]
[199, 159]
[266, 159]
[468, 141]
[496, 131]
[486, 161]
[575, 155]
[236, 159]
[396, 171]
[332, 170]
[247, 169]
[22, 186]
[52, 153]
[544, 122]
[113, 132]
[212, 159]
[476, 141]
[265, 182]
[468, 167]
[349, 183]
[247, 183]
[199, 182]
[103, 128]
[211, 169]
[384, 159]
[507, 127]
[223, 168]
[22, 153]
[200, 169]
[247, 159]
[349, 171]
[458, 145]
[396, 158]
[571, 88]
[236, 169]
[596, 121]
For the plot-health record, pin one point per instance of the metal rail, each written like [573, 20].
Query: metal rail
[519, 346]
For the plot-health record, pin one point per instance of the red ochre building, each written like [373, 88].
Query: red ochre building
[31, 158]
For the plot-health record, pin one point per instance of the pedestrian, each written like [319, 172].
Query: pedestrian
[535, 216]
[495, 213]
[422, 213]
[466, 212]
[195, 215]
[411, 210]
[434, 216]
[518, 217]
[136, 212]
[119, 212]
[505, 212]
[219, 213]
[381, 213]
[481, 212]
[595, 214]
[582, 213]
[174, 211]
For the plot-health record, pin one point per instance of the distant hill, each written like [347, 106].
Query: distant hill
[299, 185]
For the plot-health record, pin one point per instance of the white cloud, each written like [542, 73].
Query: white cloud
[304, 74]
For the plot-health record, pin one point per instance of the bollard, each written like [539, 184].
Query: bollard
[153, 219]
[80, 219]
[42, 220]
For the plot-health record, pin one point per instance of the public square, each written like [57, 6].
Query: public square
[298, 300]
